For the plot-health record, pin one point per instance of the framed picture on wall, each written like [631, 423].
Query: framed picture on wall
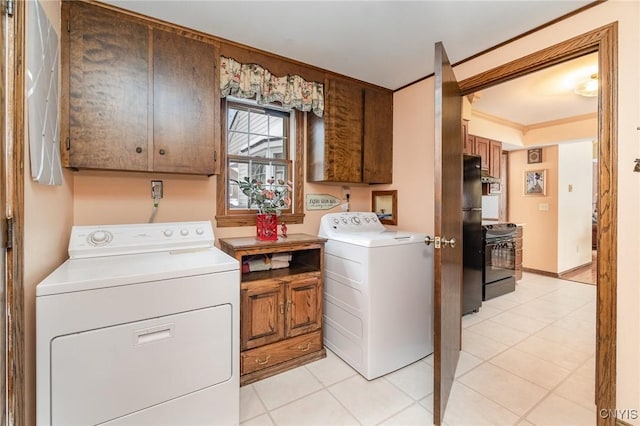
[534, 156]
[535, 182]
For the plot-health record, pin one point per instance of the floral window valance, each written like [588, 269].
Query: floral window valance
[249, 80]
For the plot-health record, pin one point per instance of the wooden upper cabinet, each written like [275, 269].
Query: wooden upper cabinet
[135, 96]
[105, 70]
[495, 158]
[378, 136]
[468, 141]
[483, 150]
[352, 143]
[184, 100]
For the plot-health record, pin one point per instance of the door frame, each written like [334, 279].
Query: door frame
[14, 208]
[604, 41]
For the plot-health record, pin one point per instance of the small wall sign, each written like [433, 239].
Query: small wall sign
[322, 201]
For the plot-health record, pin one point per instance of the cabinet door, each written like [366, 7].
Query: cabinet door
[184, 102]
[378, 136]
[343, 132]
[483, 150]
[108, 90]
[304, 306]
[469, 146]
[261, 313]
[495, 158]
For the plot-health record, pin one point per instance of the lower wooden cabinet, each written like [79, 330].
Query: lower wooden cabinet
[280, 307]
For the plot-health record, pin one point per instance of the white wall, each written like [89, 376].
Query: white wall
[575, 169]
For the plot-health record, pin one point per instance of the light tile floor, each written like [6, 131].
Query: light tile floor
[528, 359]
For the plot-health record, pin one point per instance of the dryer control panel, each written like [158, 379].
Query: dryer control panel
[109, 240]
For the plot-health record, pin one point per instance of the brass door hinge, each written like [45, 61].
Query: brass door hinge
[8, 236]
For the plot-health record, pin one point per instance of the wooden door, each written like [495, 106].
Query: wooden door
[469, 145]
[495, 159]
[483, 150]
[262, 307]
[377, 151]
[343, 132]
[448, 225]
[108, 89]
[4, 125]
[184, 104]
[304, 306]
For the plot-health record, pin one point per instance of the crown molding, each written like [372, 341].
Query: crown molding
[526, 128]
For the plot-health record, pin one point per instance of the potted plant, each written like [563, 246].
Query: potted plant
[269, 199]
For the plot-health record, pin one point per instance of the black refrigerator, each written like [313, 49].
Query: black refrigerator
[472, 257]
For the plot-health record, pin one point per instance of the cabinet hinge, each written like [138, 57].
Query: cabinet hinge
[9, 7]
[68, 143]
[9, 234]
[68, 27]
[215, 155]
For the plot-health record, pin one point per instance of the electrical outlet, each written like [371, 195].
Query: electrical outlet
[156, 189]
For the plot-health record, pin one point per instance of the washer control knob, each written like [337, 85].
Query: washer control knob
[99, 238]
[344, 220]
[336, 221]
[355, 220]
[374, 219]
[184, 232]
[168, 232]
[366, 219]
[199, 231]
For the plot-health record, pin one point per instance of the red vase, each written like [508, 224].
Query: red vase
[266, 226]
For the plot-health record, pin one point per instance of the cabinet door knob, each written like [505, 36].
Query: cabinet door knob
[162, 152]
[138, 150]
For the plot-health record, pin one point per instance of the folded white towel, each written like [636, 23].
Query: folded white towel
[285, 257]
[277, 264]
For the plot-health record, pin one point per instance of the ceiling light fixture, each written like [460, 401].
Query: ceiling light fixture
[588, 87]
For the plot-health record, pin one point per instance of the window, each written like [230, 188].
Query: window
[259, 142]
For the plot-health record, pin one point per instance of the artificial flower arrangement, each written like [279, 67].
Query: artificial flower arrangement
[271, 197]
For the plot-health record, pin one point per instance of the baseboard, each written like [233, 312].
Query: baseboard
[568, 271]
[536, 271]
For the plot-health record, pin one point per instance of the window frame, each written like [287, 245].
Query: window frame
[227, 217]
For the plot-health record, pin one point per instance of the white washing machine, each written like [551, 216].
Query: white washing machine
[378, 293]
[139, 327]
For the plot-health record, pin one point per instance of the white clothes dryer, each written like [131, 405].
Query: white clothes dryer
[378, 293]
[140, 326]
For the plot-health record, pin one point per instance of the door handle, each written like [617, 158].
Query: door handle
[449, 243]
[437, 241]
[432, 240]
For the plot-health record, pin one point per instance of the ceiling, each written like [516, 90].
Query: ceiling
[542, 96]
[386, 43]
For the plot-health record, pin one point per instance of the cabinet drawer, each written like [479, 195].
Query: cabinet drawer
[270, 355]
